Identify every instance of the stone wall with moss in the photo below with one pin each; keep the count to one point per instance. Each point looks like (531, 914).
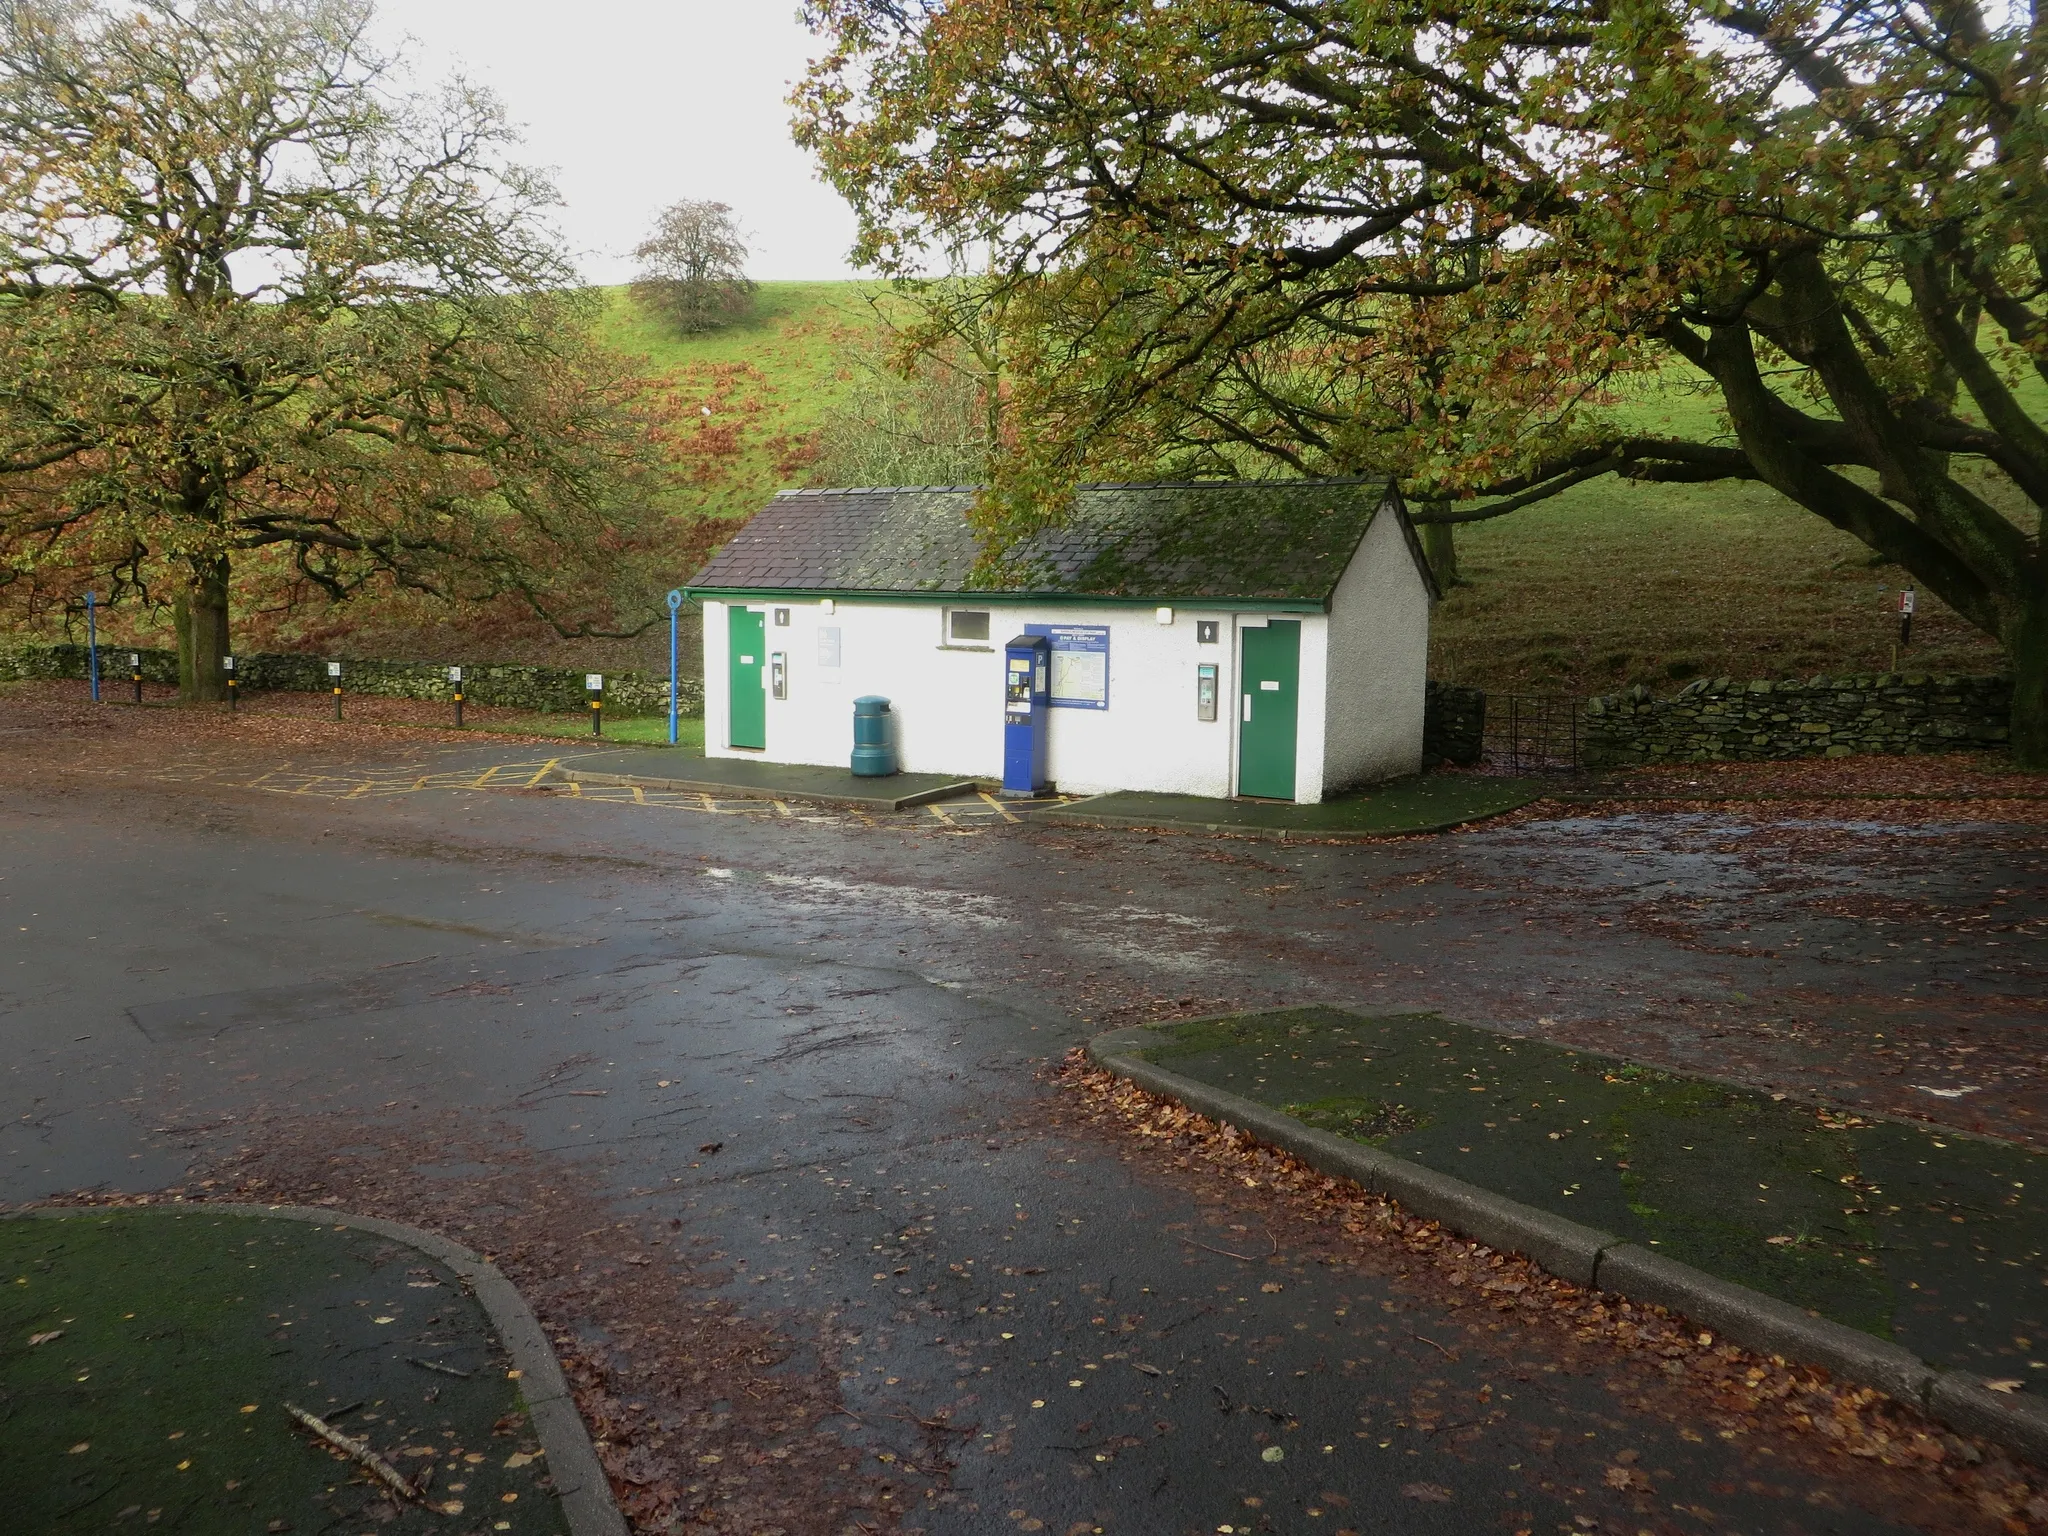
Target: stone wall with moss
(542, 689)
(1720, 719)
(1453, 724)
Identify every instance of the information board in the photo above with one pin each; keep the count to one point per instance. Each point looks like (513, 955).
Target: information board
(1080, 664)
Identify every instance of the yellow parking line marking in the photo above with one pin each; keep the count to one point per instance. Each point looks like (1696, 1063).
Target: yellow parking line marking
(964, 816)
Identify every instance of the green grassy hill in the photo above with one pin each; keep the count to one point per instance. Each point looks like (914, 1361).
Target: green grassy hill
(1614, 583)
(1608, 585)
(1611, 584)
(765, 379)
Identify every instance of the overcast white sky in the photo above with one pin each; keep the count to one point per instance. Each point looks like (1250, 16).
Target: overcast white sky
(635, 104)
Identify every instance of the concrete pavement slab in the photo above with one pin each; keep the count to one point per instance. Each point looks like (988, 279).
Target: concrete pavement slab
(672, 769)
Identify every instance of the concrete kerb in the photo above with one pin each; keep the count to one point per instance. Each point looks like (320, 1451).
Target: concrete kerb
(878, 802)
(1600, 1260)
(1076, 815)
(578, 1479)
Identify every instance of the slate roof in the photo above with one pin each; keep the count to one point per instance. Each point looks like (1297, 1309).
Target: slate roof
(1268, 540)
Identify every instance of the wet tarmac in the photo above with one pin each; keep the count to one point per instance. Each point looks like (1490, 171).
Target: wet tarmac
(858, 1014)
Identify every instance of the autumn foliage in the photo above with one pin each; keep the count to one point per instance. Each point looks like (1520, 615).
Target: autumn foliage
(1305, 236)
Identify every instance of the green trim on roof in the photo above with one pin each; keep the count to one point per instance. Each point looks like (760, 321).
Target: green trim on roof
(987, 599)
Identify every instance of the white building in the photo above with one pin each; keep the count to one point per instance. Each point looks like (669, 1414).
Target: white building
(1264, 638)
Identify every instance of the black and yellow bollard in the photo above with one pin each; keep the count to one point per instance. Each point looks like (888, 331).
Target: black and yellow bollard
(234, 698)
(334, 676)
(594, 681)
(135, 673)
(455, 677)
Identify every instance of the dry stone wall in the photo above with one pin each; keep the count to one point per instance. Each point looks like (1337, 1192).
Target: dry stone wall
(507, 687)
(1720, 719)
(1453, 723)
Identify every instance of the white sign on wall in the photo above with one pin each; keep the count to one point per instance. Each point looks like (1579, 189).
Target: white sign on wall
(829, 655)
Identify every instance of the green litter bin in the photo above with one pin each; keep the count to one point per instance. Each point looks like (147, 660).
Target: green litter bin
(874, 755)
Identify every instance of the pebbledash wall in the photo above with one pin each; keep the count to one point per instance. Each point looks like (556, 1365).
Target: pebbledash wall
(1719, 719)
(899, 650)
(946, 698)
(505, 687)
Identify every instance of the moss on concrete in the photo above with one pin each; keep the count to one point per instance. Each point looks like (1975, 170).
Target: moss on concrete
(1908, 1233)
(145, 1356)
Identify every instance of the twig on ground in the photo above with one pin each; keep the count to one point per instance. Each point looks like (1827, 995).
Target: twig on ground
(1432, 1343)
(435, 1365)
(1248, 1258)
(356, 1450)
(936, 1426)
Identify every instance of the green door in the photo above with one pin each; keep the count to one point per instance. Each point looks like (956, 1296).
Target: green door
(1269, 710)
(746, 660)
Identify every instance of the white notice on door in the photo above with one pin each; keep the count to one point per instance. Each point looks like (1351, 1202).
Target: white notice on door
(1269, 686)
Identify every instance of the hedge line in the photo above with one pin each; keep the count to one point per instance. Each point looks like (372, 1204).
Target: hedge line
(550, 689)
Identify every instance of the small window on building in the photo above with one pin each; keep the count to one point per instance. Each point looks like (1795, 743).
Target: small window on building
(966, 626)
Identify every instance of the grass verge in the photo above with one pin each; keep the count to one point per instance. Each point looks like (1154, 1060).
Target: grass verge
(633, 730)
(1929, 1238)
(148, 1354)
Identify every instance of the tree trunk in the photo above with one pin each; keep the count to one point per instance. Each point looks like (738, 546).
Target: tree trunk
(203, 632)
(2027, 645)
(1440, 549)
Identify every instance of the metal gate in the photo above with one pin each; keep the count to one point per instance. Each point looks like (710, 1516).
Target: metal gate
(1534, 732)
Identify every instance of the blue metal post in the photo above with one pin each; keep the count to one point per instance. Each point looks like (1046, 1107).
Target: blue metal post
(675, 604)
(92, 643)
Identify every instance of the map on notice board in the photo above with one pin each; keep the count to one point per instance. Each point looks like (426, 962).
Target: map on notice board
(1080, 664)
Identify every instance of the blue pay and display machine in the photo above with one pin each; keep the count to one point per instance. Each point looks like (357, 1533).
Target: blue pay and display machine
(1027, 697)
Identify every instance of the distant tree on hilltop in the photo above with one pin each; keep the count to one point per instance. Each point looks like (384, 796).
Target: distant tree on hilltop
(693, 267)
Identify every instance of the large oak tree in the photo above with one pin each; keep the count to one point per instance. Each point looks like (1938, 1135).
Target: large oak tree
(1441, 236)
(262, 308)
